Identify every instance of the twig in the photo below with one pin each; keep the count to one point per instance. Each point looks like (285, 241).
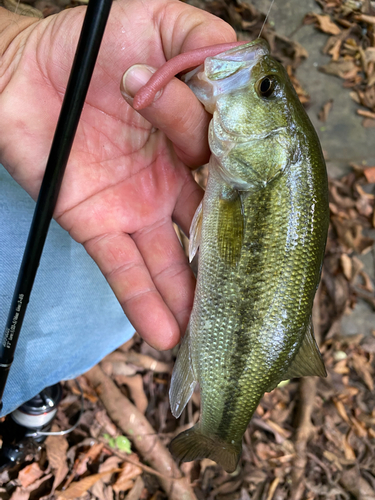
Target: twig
(125, 458)
(307, 392)
(140, 360)
(131, 421)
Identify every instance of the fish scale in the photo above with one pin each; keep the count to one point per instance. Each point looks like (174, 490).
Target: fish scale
(261, 230)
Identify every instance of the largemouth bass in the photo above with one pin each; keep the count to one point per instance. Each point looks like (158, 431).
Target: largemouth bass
(261, 229)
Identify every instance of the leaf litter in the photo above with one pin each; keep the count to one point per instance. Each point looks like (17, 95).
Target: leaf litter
(311, 439)
(351, 24)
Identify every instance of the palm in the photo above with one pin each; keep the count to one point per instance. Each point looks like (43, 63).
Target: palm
(124, 183)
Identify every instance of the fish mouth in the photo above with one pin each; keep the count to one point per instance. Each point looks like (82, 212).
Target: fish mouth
(250, 51)
(222, 73)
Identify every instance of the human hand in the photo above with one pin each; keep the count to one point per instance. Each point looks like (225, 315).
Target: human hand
(125, 181)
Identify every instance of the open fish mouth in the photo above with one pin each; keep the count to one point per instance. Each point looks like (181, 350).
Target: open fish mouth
(220, 74)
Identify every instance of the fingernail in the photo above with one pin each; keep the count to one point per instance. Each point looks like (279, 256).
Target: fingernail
(135, 78)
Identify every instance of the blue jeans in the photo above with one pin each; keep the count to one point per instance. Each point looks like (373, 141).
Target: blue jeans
(73, 318)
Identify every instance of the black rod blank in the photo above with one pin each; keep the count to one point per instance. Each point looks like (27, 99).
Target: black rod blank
(83, 65)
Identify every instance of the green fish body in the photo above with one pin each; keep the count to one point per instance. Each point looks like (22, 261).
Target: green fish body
(261, 229)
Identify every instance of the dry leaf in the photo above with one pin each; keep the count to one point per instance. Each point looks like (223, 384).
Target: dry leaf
(56, 447)
(30, 474)
(368, 123)
(341, 410)
(369, 173)
(20, 494)
(102, 491)
(367, 114)
(125, 479)
(334, 51)
(24, 493)
(341, 68)
(90, 456)
(323, 114)
(136, 492)
(272, 488)
(363, 369)
(347, 267)
(348, 450)
(77, 489)
(356, 485)
(325, 24)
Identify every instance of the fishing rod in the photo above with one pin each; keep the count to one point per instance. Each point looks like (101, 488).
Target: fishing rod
(80, 76)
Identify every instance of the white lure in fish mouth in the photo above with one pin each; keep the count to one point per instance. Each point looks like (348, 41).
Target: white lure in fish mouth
(228, 71)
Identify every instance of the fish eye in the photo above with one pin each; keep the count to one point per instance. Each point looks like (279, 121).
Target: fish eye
(266, 86)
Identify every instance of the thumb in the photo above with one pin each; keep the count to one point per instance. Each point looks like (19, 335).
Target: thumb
(175, 111)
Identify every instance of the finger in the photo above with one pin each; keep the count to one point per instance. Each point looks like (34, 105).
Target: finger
(183, 28)
(176, 112)
(121, 263)
(168, 267)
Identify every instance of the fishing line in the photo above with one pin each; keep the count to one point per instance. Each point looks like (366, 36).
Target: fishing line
(38, 433)
(265, 20)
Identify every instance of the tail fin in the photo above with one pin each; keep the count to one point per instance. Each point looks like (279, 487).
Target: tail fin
(194, 445)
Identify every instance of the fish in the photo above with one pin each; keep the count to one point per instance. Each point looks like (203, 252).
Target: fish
(261, 231)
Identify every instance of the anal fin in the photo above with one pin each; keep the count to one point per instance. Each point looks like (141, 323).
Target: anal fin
(308, 360)
(183, 379)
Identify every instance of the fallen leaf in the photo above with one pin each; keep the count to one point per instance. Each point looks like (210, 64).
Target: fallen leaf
(78, 488)
(90, 456)
(334, 51)
(367, 285)
(20, 494)
(341, 410)
(356, 485)
(323, 114)
(363, 369)
(125, 479)
(369, 173)
(56, 447)
(325, 24)
(348, 450)
(340, 68)
(368, 123)
(30, 474)
(137, 489)
(102, 491)
(347, 266)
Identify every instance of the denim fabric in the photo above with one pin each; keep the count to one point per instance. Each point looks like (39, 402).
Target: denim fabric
(73, 318)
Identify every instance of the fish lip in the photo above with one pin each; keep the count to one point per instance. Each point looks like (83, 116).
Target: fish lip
(260, 48)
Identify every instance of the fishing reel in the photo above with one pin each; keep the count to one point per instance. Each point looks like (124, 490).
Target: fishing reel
(27, 427)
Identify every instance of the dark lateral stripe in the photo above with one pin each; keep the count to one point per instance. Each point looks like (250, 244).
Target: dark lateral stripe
(257, 210)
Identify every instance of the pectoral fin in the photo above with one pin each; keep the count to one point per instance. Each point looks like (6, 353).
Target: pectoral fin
(308, 360)
(183, 379)
(195, 231)
(231, 227)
